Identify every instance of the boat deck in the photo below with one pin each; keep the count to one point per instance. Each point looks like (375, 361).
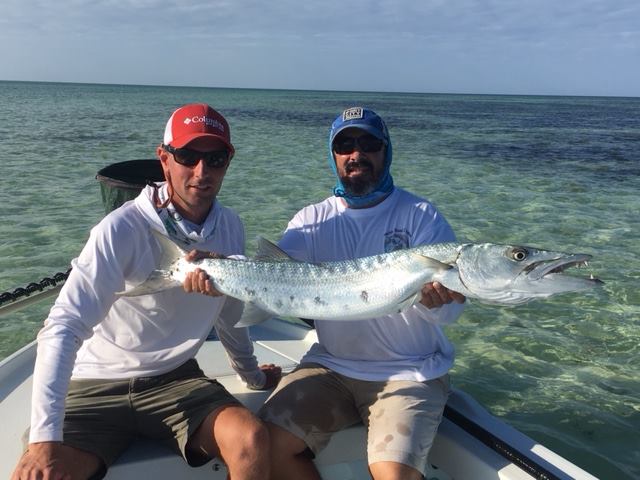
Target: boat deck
(460, 451)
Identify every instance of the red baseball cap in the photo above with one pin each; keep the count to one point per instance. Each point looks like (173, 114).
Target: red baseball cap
(197, 120)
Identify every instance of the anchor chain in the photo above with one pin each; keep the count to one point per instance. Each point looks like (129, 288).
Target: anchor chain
(33, 287)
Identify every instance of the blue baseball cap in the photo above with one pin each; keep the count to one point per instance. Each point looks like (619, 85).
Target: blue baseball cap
(363, 118)
(369, 121)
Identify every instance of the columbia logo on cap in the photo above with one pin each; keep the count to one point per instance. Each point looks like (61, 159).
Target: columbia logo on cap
(211, 122)
(195, 121)
(353, 113)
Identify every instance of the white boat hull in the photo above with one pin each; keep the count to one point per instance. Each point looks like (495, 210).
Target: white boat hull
(466, 448)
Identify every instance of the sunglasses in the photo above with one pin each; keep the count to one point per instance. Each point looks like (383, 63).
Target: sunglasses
(365, 143)
(190, 158)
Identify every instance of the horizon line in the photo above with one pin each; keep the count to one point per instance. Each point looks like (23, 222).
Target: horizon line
(318, 90)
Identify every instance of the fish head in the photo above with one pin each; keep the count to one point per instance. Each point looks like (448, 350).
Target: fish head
(511, 274)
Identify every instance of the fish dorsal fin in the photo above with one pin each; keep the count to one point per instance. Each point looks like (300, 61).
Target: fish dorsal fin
(268, 250)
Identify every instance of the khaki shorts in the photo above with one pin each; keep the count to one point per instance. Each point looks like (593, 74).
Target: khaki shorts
(402, 417)
(105, 417)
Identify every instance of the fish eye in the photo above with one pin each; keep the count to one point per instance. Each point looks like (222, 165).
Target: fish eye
(518, 254)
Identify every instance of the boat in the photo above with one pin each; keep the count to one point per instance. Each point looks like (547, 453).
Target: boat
(471, 443)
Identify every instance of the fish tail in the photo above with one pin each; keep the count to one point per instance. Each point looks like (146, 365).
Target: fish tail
(160, 279)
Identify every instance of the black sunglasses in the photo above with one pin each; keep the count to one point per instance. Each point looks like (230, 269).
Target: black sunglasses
(366, 143)
(190, 158)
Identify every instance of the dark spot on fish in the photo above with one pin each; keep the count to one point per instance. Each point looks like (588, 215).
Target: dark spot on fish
(292, 298)
(364, 296)
(250, 292)
(265, 289)
(279, 303)
(319, 301)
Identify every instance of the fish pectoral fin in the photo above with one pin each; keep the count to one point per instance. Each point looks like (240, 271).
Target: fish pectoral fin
(268, 250)
(157, 281)
(252, 315)
(430, 263)
(407, 302)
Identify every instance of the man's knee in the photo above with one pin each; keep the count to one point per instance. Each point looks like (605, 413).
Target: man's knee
(58, 460)
(255, 437)
(285, 443)
(394, 471)
(244, 436)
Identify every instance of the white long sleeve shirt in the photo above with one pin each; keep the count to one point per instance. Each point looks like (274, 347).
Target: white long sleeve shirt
(91, 333)
(405, 346)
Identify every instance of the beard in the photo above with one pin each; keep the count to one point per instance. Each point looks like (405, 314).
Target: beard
(362, 183)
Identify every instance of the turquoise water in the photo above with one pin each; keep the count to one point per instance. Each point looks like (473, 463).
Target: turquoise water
(554, 172)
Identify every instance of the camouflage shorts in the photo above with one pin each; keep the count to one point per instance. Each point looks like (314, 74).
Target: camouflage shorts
(313, 402)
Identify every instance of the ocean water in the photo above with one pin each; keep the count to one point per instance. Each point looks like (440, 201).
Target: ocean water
(553, 172)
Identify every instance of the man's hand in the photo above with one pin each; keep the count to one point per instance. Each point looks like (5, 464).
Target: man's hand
(435, 295)
(198, 281)
(55, 461)
(273, 374)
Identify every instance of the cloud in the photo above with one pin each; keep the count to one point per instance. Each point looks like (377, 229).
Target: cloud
(438, 21)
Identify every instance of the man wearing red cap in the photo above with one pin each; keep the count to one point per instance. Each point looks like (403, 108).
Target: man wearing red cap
(110, 369)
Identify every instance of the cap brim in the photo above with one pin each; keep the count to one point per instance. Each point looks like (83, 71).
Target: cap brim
(187, 139)
(367, 128)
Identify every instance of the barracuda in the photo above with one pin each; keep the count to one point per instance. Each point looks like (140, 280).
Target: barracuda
(273, 284)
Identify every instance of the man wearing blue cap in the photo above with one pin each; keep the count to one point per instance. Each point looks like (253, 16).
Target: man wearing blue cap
(388, 372)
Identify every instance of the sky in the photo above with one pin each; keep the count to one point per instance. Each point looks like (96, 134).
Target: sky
(548, 47)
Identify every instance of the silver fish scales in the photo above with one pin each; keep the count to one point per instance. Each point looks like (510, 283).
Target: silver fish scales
(273, 284)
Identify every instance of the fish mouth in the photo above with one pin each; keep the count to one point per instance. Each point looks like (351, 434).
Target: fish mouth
(557, 266)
